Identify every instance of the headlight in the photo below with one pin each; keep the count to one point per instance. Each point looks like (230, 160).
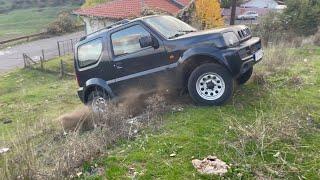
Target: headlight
(230, 39)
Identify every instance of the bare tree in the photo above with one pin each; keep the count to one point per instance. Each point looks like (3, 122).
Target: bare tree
(233, 12)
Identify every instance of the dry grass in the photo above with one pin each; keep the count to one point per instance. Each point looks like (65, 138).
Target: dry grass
(312, 40)
(278, 60)
(55, 154)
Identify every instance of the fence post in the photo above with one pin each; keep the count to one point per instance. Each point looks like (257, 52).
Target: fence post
(24, 60)
(41, 63)
(59, 48)
(61, 68)
(72, 45)
(64, 50)
(42, 55)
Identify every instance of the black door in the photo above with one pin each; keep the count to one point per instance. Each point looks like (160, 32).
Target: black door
(136, 67)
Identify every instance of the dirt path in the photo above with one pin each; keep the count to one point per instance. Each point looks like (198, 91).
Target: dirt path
(11, 57)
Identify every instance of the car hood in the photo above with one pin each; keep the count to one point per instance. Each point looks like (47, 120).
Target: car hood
(208, 35)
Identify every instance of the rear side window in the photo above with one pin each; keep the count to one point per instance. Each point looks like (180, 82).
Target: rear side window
(127, 41)
(89, 53)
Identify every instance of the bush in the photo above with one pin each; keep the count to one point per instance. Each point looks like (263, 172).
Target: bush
(63, 24)
(302, 16)
(316, 40)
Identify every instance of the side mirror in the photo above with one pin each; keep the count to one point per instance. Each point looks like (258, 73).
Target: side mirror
(147, 41)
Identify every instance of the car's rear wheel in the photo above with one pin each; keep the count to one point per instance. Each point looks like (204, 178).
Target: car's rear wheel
(98, 101)
(245, 76)
(210, 84)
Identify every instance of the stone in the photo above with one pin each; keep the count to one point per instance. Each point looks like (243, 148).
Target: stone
(7, 121)
(4, 150)
(211, 165)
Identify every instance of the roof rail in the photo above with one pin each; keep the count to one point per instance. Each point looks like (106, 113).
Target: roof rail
(122, 22)
(125, 21)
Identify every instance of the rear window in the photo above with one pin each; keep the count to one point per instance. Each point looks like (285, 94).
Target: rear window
(89, 53)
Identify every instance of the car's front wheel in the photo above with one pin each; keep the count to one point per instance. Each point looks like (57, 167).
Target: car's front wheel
(98, 100)
(211, 84)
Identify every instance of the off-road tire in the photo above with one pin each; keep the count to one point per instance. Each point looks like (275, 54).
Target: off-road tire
(199, 74)
(94, 95)
(245, 76)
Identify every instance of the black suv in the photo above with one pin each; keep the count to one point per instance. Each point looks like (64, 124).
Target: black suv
(161, 52)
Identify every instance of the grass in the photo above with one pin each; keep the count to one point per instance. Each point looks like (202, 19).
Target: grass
(28, 21)
(264, 133)
(27, 96)
(269, 130)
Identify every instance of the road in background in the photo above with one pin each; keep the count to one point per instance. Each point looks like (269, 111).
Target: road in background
(11, 57)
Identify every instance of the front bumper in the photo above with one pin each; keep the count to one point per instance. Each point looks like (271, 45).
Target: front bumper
(244, 57)
(81, 94)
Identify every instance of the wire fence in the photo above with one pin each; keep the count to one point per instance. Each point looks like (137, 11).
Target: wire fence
(62, 48)
(66, 46)
(38, 59)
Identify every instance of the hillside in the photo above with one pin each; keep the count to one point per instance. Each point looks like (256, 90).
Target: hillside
(24, 19)
(269, 130)
(9, 5)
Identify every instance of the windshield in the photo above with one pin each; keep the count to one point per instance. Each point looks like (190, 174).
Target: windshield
(169, 26)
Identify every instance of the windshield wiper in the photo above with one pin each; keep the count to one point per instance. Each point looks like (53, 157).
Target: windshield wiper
(182, 32)
(187, 31)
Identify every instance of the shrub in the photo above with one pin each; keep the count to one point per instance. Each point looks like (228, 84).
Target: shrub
(90, 3)
(64, 23)
(316, 40)
(302, 16)
(270, 28)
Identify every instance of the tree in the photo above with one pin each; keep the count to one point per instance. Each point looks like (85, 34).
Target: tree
(90, 3)
(228, 3)
(302, 16)
(209, 13)
(233, 12)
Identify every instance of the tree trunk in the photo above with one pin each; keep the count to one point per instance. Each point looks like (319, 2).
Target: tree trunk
(233, 12)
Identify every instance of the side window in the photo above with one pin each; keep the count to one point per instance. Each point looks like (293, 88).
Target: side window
(89, 53)
(126, 41)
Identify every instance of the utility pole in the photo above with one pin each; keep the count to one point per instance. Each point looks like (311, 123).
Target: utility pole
(233, 12)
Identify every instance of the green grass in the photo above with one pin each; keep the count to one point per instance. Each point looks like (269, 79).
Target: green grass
(246, 133)
(27, 96)
(260, 121)
(27, 21)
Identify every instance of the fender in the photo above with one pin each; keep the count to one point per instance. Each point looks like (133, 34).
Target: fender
(100, 83)
(209, 51)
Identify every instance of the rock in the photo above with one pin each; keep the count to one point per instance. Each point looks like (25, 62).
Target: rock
(6, 121)
(177, 109)
(79, 174)
(211, 165)
(4, 150)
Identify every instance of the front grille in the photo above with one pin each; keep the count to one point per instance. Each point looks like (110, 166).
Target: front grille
(249, 50)
(244, 33)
